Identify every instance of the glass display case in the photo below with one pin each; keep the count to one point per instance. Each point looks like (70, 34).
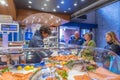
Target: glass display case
(69, 63)
(52, 40)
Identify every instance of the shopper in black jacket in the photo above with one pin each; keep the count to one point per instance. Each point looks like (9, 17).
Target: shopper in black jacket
(113, 43)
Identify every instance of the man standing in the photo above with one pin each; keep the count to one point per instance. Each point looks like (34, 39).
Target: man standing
(75, 39)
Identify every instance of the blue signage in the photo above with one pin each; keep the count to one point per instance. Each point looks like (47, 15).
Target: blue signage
(28, 35)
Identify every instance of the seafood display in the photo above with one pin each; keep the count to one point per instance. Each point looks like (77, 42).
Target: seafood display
(87, 64)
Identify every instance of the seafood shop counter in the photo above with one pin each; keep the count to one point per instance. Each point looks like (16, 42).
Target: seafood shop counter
(71, 63)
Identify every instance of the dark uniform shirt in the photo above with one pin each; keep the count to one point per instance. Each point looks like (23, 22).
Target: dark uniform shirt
(78, 41)
(113, 47)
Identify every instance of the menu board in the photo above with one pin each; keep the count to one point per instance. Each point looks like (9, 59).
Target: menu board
(9, 27)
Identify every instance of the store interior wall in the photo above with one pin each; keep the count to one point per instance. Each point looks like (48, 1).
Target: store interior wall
(108, 19)
(90, 18)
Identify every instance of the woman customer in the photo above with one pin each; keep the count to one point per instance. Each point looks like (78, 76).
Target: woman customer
(89, 42)
(88, 52)
(113, 43)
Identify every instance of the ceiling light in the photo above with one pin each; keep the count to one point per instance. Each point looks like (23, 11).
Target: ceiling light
(69, 8)
(82, 0)
(54, 10)
(62, 2)
(29, 6)
(65, 11)
(58, 6)
(30, 2)
(45, 4)
(47, 0)
(75, 4)
(3, 2)
(42, 8)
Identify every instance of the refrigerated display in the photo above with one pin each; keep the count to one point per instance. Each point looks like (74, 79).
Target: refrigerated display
(63, 63)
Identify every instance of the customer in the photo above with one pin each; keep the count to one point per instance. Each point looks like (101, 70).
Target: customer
(75, 39)
(89, 42)
(113, 43)
(37, 42)
(89, 47)
(37, 39)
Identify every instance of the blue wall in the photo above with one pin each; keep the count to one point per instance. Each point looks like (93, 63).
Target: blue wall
(108, 19)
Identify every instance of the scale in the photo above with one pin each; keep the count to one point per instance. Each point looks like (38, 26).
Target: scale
(6, 29)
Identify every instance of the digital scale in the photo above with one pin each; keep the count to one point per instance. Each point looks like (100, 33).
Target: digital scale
(6, 29)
